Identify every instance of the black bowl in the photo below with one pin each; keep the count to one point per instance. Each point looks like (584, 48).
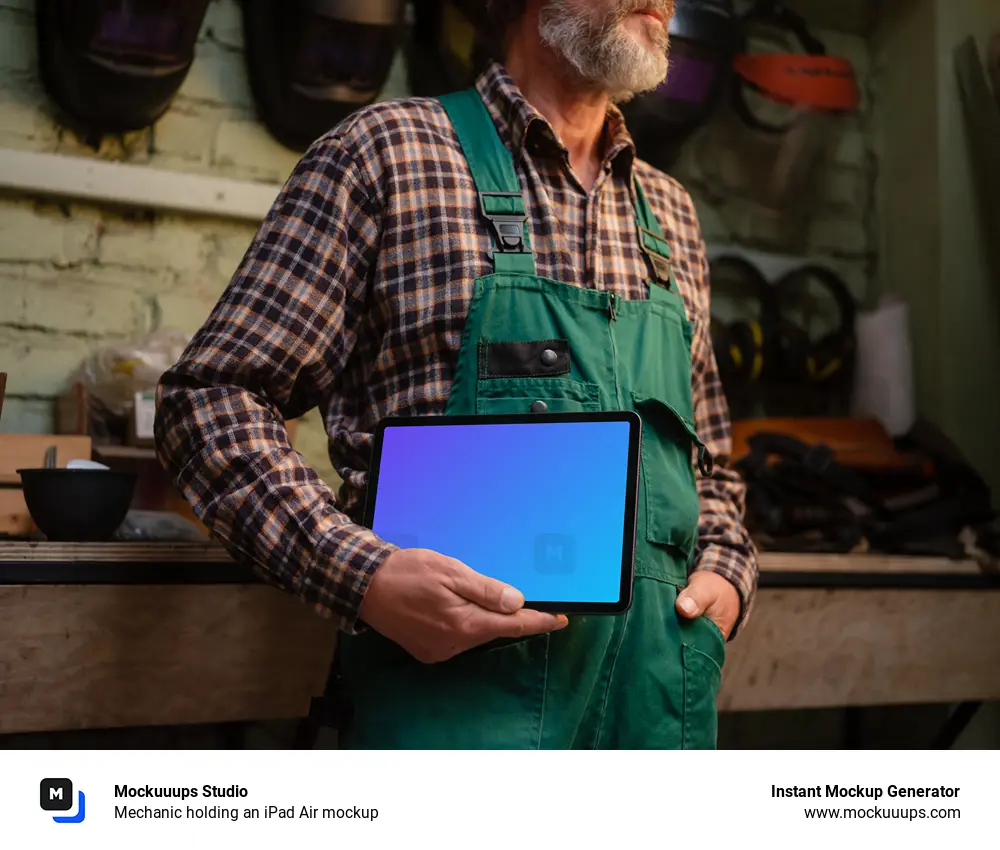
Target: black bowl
(78, 505)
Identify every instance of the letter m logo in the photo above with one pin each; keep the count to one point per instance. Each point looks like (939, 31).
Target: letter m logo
(56, 795)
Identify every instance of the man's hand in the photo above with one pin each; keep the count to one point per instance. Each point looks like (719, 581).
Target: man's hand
(436, 607)
(712, 595)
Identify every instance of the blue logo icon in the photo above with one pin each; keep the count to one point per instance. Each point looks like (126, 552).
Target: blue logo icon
(555, 553)
(56, 795)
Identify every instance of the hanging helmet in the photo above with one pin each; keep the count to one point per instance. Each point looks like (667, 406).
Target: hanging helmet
(311, 63)
(802, 76)
(705, 35)
(116, 65)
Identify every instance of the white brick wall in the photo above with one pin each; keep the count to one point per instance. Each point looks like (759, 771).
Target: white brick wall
(74, 277)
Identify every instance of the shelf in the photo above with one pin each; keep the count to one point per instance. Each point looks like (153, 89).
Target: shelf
(82, 179)
(126, 452)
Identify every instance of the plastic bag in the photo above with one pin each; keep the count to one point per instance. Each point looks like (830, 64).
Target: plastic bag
(113, 375)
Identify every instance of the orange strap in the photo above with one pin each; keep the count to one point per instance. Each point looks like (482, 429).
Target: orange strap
(796, 79)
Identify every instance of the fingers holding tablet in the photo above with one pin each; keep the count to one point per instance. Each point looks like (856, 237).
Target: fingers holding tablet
(436, 607)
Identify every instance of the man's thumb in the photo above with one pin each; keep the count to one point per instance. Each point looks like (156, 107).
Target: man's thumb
(690, 602)
(486, 592)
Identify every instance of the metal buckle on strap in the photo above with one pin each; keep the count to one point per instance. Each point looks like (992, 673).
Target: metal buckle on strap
(508, 228)
(662, 267)
(661, 263)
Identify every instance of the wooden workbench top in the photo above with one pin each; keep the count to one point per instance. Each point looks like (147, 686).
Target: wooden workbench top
(208, 563)
(138, 634)
(112, 553)
(209, 552)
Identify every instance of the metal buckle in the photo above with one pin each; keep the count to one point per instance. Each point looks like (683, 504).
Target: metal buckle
(661, 265)
(508, 228)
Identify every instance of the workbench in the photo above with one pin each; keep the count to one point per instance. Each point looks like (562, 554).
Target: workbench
(138, 634)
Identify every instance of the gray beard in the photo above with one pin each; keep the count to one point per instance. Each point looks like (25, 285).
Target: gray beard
(603, 54)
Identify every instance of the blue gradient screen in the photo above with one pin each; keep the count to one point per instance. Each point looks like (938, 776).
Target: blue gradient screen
(540, 506)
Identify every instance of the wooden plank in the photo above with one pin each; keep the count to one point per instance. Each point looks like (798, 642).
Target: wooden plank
(14, 516)
(25, 451)
(210, 552)
(115, 553)
(868, 564)
(126, 452)
(113, 183)
(100, 657)
(827, 648)
(857, 443)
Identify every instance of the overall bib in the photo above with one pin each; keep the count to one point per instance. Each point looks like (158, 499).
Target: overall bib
(644, 679)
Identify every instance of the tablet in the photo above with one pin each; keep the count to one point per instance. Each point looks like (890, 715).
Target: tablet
(545, 502)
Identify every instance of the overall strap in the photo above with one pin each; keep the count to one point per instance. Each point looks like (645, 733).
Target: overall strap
(492, 168)
(654, 243)
(664, 290)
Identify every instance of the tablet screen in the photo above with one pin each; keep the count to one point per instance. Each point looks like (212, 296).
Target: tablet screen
(543, 506)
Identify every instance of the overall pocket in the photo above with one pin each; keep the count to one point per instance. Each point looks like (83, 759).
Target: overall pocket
(531, 376)
(703, 653)
(669, 490)
(536, 395)
(491, 697)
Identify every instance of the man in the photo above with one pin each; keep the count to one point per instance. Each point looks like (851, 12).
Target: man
(368, 292)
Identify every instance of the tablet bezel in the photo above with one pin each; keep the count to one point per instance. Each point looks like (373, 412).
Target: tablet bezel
(631, 494)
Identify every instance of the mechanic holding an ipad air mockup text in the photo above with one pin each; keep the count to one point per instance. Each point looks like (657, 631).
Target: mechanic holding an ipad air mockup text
(497, 251)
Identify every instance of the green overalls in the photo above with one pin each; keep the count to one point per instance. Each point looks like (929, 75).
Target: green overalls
(644, 679)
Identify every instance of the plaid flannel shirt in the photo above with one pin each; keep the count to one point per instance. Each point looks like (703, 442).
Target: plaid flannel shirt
(352, 298)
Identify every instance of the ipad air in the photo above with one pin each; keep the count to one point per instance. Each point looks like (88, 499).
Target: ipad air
(544, 502)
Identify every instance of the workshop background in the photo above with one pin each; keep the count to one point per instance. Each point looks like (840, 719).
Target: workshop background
(76, 276)
(891, 210)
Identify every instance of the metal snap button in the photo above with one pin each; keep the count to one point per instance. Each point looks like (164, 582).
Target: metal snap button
(539, 406)
(549, 357)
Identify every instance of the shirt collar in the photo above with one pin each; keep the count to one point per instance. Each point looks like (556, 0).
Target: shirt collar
(520, 122)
